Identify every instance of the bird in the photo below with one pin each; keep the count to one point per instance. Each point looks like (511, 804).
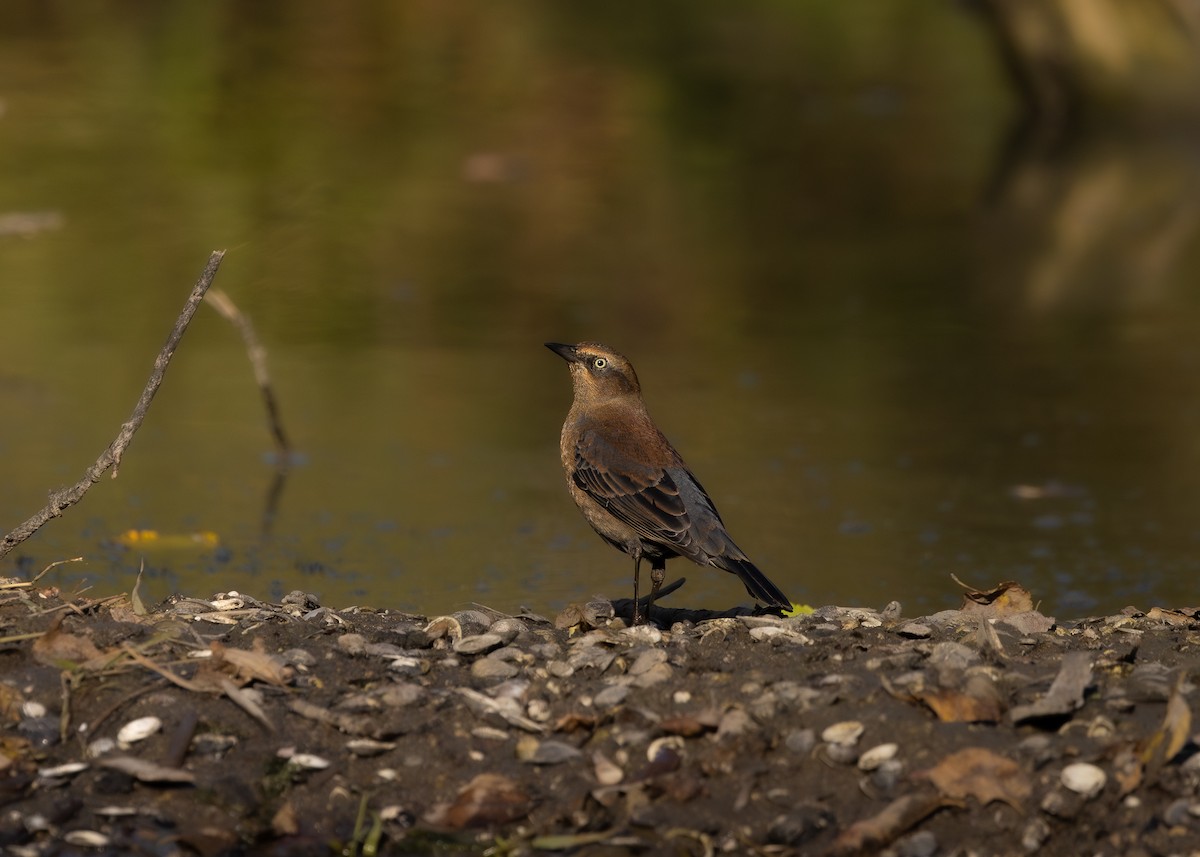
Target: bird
(631, 484)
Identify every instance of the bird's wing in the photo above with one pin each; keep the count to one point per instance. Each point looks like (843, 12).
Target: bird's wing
(643, 496)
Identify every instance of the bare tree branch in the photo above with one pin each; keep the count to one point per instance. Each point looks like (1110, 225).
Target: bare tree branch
(223, 304)
(64, 498)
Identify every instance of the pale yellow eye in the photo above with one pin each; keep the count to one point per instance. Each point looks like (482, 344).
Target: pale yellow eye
(600, 362)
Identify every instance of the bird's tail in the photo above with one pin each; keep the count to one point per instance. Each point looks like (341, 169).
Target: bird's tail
(756, 583)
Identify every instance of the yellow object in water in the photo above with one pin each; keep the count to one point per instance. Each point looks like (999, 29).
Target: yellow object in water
(153, 538)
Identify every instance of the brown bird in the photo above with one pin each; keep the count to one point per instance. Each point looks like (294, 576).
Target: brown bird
(633, 487)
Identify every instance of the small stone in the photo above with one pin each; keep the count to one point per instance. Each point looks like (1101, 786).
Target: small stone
(611, 696)
(915, 630)
(657, 674)
(491, 669)
(1082, 778)
(549, 753)
(642, 634)
(352, 644)
(400, 694)
(919, 844)
(410, 635)
(799, 826)
(298, 658)
(1035, 834)
(508, 628)
(800, 741)
(647, 660)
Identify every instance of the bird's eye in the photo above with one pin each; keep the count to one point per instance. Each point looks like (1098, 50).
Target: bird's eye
(600, 362)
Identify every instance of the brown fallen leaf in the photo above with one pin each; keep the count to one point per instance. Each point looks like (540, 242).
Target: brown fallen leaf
(978, 702)
(871, 834)
(981, 774)
(1004, 598)
(1169, 617)
(486, 800)
(254, 664)
(1170, 737)
(62, 649)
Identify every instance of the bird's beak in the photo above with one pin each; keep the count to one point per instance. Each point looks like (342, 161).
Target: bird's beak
(567, 352)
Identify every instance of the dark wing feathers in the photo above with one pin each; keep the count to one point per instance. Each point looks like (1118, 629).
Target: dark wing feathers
(641, 496)
(665, 506)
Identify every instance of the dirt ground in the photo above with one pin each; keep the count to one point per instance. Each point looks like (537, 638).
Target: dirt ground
(227, 726)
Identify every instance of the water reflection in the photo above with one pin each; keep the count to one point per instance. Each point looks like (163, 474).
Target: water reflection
(892, 348)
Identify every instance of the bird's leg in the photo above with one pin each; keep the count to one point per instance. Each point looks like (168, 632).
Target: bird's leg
(658, 572)
(637, 568)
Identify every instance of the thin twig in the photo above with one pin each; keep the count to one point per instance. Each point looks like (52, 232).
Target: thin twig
(223, 304)
(64, 498)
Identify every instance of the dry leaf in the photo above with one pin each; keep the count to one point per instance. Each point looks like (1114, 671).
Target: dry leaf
(871, 834)
(1005, 598)
(486, 800)
(1169, 617)
(1171, 735)
(981, 774)
(1065, 693)
(979, 703)
(251, 664)
(62, 649)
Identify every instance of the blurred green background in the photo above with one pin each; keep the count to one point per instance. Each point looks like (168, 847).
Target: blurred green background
(905, 313)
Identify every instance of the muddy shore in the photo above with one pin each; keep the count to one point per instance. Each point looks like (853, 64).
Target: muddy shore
(225, 726)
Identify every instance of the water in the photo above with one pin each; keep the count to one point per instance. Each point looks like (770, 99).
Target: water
(890, 351)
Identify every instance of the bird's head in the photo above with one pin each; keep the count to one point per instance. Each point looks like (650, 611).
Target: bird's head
(597, 372)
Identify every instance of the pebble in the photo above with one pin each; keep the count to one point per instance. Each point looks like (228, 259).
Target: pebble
(492, 669)
(508, 629)
(611, 696)
(535, 752)
(800, 741)
(1083, 778)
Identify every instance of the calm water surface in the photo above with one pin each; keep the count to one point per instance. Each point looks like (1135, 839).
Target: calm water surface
(891, 350)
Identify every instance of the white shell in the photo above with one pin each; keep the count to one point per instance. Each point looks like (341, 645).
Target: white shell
(67, 770)
(308, 760)
(101, 746)
(32, 708)
(86, 838)
(658, 745)
(845, 734)
(1084, 779)
(138, 730)
(877, 755)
